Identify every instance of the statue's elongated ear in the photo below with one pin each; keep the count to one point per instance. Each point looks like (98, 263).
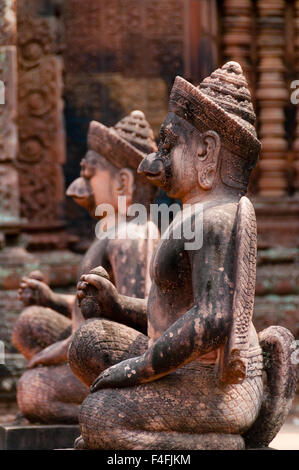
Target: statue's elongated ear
(207, 159)
(125, 183)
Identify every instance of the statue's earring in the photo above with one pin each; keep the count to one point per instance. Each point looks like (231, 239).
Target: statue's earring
(126, 184)
(206, 170)
(208, 154)
(121, 186)
(206, 176)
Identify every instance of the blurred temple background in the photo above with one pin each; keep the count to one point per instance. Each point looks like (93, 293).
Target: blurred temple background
(66, 62)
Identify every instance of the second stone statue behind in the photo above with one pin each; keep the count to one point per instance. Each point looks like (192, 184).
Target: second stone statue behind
(51, 393)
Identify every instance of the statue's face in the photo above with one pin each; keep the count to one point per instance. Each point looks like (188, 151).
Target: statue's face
(96, 184)
(172, 166)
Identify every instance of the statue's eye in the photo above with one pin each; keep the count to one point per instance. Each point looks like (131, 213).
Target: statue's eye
(166, 145)
(89, 171)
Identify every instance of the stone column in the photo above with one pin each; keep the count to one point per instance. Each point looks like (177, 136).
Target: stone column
(237, 35)
(9, 198)
(41, 133)
(272, 95)
(296, 143)
(14, 260)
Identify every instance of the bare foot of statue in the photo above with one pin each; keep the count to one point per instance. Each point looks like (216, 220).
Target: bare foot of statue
(79, 444)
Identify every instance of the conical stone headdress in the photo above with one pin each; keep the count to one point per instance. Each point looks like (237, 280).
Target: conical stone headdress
(125, 144)
(222, 102)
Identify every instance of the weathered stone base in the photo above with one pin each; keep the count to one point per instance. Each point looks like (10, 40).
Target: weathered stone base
(59, 267)
(38, 437)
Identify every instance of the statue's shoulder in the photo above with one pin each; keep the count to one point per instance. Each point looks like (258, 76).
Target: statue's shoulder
(220, 217)
(94, 255)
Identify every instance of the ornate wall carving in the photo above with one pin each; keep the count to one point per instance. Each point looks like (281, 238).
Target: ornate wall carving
(8, 111)
(41, 134)
(9, 196)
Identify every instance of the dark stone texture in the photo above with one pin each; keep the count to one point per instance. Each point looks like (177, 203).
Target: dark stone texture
(37, 437)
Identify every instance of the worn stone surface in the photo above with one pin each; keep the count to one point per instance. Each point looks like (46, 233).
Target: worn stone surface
(41, 133)
(196, 382)
(37, 437)
(10, 221)
(60, 268)
(8, 23)
(8, 112)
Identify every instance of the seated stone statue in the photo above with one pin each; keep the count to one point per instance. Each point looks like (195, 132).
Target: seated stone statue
(195, 380)
(43, 331)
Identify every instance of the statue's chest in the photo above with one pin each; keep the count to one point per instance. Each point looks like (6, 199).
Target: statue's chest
(95, 256)
(170, 265)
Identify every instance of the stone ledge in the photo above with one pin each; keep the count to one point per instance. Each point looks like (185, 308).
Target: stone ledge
(38, 437)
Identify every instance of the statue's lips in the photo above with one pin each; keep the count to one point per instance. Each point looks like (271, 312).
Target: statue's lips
(81, 192)
(153, 175)
(151, 167)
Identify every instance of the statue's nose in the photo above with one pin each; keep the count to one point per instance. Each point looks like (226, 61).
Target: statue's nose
(150, 165)
(79, 188)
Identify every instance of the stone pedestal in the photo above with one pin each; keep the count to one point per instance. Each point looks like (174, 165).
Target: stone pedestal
(38, 437)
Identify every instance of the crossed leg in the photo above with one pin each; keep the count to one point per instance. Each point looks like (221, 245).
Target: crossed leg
(38, 327)
(187, 409)
(46, 394)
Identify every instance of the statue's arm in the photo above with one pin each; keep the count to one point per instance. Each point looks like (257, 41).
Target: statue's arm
(36, 292)
(113, 306)
(193, 335)
(133, 312)
(200, 330)
(54, 354)
(62, 303)
(57, 352)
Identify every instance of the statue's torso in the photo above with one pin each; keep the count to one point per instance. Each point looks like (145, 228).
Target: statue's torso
(125, 260)
(180, 279)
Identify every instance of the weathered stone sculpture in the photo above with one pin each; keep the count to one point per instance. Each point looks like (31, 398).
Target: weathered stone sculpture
(195, 382)
(52, 393)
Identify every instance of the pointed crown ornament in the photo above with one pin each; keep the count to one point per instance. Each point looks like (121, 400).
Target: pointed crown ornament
(125, 144)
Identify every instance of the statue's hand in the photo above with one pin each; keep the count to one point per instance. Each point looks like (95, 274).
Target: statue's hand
(106, 295)
(123, 374)
(52, 355)
(33, 292)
